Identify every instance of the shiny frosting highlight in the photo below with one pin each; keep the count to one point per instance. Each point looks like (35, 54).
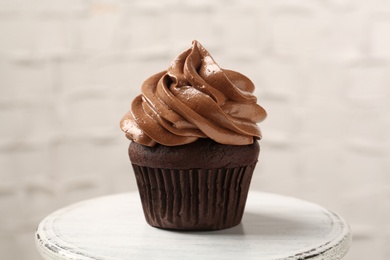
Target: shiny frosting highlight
(194, 98)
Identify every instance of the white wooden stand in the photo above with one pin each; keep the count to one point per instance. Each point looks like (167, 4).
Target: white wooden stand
(273, 227)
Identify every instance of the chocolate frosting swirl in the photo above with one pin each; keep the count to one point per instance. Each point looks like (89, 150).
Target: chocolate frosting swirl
(194, 98)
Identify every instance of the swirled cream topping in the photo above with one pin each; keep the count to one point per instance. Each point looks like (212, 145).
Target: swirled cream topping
(194, 98)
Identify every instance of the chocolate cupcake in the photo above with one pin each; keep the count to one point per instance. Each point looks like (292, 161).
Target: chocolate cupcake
(194, 143)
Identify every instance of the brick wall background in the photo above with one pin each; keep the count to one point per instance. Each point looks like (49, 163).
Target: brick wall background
(69, 69)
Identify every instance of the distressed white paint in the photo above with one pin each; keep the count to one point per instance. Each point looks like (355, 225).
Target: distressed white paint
(273, 227)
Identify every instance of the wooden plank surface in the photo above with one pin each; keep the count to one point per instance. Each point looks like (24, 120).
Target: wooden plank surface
(273, 227)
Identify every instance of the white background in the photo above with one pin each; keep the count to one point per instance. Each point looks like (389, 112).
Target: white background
(70, 68)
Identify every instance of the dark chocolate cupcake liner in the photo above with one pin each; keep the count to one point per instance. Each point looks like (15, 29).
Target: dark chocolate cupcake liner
(195, 199)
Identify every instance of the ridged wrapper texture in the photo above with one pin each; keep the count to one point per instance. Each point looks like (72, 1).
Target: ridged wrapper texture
(193, 199)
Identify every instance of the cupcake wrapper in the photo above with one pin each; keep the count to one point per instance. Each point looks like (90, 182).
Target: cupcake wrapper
(195, 199)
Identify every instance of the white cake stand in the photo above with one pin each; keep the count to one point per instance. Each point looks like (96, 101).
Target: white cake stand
(273, 227)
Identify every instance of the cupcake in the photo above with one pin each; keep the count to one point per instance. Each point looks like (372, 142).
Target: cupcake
(194, 143)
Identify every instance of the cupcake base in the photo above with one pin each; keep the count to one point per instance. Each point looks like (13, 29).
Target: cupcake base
(193, 199)
(199, 186)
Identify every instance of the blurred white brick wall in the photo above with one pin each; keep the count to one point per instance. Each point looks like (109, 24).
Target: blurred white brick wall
(69, 69)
